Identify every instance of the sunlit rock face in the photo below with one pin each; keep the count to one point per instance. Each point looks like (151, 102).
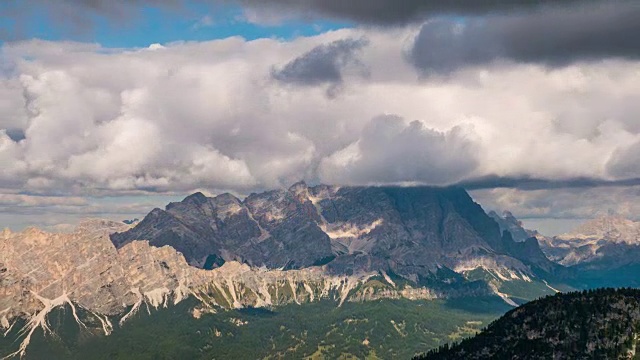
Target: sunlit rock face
(41, 271)
(301, 245)
(409, 231)
(603, 243)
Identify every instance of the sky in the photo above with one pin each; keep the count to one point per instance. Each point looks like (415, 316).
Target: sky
(109, 108)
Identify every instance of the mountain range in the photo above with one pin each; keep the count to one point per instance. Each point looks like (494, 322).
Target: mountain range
(413, 232)
(601, 252)
(277, 249)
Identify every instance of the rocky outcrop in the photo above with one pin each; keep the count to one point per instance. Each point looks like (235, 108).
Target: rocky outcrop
(510, 223)
(83, 271)
(409, 231)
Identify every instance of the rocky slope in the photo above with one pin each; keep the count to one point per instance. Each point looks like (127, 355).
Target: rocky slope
(599, 243)
(299, 245)
(510, 223)
(414, 232)
(598, 324)
(83, 271)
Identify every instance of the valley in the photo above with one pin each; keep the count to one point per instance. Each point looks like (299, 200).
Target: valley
(431, 269)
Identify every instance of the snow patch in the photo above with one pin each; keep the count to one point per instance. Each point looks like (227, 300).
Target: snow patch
(549, 286)
(39, 320)
(352, 231)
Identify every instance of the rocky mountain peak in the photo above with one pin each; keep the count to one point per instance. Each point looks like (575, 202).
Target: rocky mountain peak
(604, 243)
(508, 222)
(298, 187)
(197, 198)
(612, 228)
(42, 271)
(411, 231)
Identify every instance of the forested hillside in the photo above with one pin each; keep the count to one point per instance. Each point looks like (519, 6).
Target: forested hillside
(593, 324)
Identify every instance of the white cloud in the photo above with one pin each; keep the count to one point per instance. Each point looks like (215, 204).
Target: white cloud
(208, 115)
(204, 22)
(390, 150)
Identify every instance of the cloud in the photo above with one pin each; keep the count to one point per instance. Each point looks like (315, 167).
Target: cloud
(532, 183)
(78, 16)
(550, 36)
(390, 12)
(204, 22)
(324, 64)
(379, 12)
(389, 150)
(566, 203)
(40, 201)
(208, 115)
(625, 162)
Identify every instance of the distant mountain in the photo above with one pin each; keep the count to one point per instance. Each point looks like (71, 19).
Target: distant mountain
(595, 324)
(422, 234)
(600, 253)
(303, 245)
(320, 247)
(597, 242)
(508, 222)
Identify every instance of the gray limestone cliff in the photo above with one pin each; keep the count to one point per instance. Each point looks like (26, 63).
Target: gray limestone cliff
(410, 231)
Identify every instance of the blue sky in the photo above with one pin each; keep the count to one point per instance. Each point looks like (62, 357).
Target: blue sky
(150, 25)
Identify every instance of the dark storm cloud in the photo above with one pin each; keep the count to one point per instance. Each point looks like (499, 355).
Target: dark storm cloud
(74, 13)
(323, 64)
(531, 183)
(379, 12)
(554, 37)
(72, 17)
(394, 12)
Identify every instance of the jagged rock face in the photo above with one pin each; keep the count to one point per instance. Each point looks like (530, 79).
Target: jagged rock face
(85, 268)
(269, 229)
(41, 271)
(410, 231)
(510, 223)
(614, 229)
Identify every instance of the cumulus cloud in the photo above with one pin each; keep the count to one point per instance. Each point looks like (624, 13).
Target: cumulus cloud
(625, 162)
(390, 150)
(551, 36)
(209, 115)
(324, 64)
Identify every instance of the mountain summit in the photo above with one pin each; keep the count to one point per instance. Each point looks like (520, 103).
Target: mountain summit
(413, 232)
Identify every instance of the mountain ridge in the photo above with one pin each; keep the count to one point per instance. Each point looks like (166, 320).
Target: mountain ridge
(82, 271)
(410, 231)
